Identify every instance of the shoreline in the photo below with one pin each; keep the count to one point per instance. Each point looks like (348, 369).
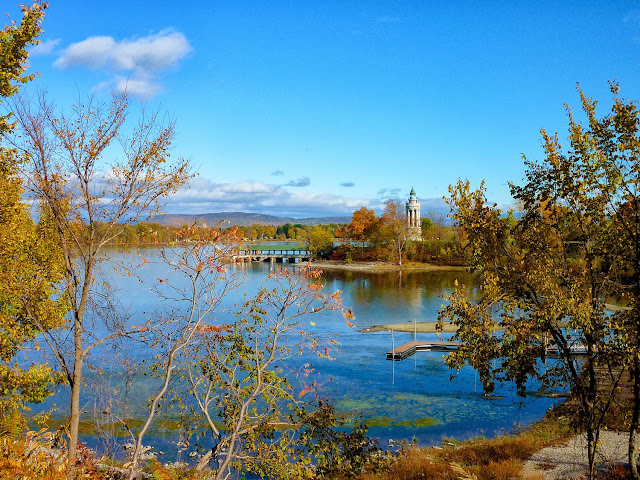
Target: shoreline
(383, 266)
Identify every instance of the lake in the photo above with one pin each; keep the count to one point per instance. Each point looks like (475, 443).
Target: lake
(415, 399)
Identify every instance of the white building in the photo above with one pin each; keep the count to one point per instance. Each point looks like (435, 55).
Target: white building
(414, 225)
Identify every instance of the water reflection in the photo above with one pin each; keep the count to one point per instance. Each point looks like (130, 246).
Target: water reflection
(400, 400)
(397, 297)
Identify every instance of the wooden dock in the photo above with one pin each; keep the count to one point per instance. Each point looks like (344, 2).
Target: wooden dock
(409, 348)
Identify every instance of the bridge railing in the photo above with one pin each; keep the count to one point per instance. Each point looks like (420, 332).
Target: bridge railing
(295, 253)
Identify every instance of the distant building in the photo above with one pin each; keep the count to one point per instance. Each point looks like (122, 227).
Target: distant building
(414, 225)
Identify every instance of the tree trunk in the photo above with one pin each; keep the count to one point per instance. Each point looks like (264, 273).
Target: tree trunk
(78, 358)
(74, 421)
(633, 431)
(589, 399)
(591, 452)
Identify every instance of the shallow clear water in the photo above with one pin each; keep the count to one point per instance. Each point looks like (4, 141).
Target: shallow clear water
(410, 399)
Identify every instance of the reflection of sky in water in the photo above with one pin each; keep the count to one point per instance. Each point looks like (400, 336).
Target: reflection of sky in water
(400, 400)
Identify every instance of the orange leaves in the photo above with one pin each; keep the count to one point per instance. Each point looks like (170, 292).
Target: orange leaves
(362, 222)
(348, 314)
(306, 369)
(32, 457)
(202, 329)
(144, 261)
(304, 391)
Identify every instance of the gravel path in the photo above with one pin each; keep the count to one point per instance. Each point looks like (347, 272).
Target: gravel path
(569, 460)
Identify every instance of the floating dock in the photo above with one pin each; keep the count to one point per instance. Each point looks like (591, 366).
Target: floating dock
(409, 348)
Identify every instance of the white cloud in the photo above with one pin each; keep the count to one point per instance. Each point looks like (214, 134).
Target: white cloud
(138, 86)
(205, 196)
(94, 52)
(142, 59)
(44, 47)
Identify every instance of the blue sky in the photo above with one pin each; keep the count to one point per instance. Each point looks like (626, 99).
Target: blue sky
(309, 108)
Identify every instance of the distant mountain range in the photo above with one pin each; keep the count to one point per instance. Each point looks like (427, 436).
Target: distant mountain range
(242, 219)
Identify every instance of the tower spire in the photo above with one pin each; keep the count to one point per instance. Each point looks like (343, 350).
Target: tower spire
(413, 217)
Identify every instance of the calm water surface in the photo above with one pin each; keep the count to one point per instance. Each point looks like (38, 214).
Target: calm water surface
(411, 399)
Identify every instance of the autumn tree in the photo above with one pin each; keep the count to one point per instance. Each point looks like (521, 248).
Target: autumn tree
(239, 377)
(426, 225)
(547, 275)
(318, 239)
(190, 296)
(29, 272)
(29, 269)
(90, 194)
(363, 222)
(14, 41)
(269, 231)
(438, 229)
(394, 227)
(239, 366)
(604, 156)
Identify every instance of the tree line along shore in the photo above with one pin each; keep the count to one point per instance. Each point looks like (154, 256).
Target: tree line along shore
(368, 240)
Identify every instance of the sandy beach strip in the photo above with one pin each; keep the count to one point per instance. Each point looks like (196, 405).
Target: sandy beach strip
(420, 327)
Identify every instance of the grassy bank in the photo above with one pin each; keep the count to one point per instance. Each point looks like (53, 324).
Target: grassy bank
(497, 458)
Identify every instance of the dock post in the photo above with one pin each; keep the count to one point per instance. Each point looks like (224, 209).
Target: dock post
(393, 345)
(393, 360)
